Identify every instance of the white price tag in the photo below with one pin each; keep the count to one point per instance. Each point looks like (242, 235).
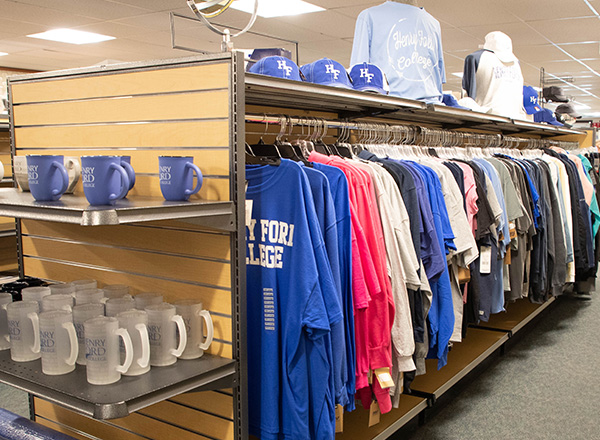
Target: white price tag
(485, 259)
(249, 205)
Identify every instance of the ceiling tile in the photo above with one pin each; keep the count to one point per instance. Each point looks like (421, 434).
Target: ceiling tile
(582, 50)
(97, 9)
(456, 39)
(463, 12)
(332, 23)
(538, 54)
(519, 32)
(569, 30)
(548, 9)
(153, 5)
(48, 18)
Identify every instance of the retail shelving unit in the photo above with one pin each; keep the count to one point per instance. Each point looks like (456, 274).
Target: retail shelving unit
(274, 96)
(191, 106)
(191, 249)
(8, 244)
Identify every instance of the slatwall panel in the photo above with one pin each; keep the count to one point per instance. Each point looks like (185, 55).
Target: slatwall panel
(8, 245)
(144, 114)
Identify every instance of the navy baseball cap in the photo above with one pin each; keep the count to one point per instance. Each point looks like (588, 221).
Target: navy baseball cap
(530, 100)
(326, 72)
(277, 66)
(368, 77)
(546, 115)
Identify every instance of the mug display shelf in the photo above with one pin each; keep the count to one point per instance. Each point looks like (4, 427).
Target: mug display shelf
(269, 91)
(77, 210)
(129, 394)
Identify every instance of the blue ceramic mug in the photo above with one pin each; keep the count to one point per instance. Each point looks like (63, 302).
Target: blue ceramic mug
(177, 177)
(47, 176)
(126, 163)
(104, 179)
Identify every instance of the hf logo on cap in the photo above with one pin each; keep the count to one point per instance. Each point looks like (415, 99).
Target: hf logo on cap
(330, 68)
(364, 73)
(282, 65)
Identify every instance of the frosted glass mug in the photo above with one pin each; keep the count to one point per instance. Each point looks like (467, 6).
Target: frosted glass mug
(102, 353)
(116, 290)
(81, 314)
(60, 301)
(58, 342)
(24, 330)
(35, 293)
(163, 324)
(114, 306)
(5, 300)
(136, 324)
(143, 300)
(192, 313)
(84, 284)
(62, 289)
(89, 296)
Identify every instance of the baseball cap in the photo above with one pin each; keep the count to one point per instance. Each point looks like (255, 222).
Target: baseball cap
(501, 44)
(368, 77)
(546, 115)
(567, 109)
(326, 72)
(530, 100)
(258, 54)
(554, 93)
(277, 66)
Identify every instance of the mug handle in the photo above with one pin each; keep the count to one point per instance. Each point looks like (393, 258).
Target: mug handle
(145, 359)
(65, 178)
(128, 349)
(70, 328)
(130, 172)
(182, 336)
(189, 192)
(35, 321)
(209, 329)
(4, 306)
(124, 182)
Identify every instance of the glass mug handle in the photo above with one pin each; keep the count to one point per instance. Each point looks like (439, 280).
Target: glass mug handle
(145, 359)
(182, 336)
(128, 349)
(70, 328)
(65, 178)
(5, 336)
(124, 182)
(209, 329)
(35, 321)
(194, 167)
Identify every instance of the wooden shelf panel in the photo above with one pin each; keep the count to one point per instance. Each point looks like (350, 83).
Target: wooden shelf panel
(462, 359)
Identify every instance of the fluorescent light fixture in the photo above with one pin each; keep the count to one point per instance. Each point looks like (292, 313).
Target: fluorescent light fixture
(458, 74)
(2, 54)
(276, 8)
(71, 36)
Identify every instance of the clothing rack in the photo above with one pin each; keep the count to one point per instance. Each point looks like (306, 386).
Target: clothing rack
(401, 134)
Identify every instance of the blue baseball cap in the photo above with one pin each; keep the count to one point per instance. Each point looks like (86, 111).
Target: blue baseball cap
(277, 66)
(326, 72)
(450, 101)
(530, 100)
(546, 115)
(368, 77)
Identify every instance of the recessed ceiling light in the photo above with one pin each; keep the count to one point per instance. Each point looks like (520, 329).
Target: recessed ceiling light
(2, 54)
(458, 74)
(276, 8)
(71, 36)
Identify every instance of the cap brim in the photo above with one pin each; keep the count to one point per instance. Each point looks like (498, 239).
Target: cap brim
(336, 84)
(506, 57)
(371, 89)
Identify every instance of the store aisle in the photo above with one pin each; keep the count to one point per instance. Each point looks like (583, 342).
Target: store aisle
(545, 387)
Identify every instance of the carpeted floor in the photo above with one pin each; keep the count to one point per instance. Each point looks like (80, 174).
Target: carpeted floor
(546, 386)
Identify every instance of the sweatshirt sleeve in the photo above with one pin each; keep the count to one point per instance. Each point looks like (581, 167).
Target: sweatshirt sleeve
(469, 83)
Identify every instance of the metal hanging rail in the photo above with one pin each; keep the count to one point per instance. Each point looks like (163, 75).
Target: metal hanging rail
(410, 134)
